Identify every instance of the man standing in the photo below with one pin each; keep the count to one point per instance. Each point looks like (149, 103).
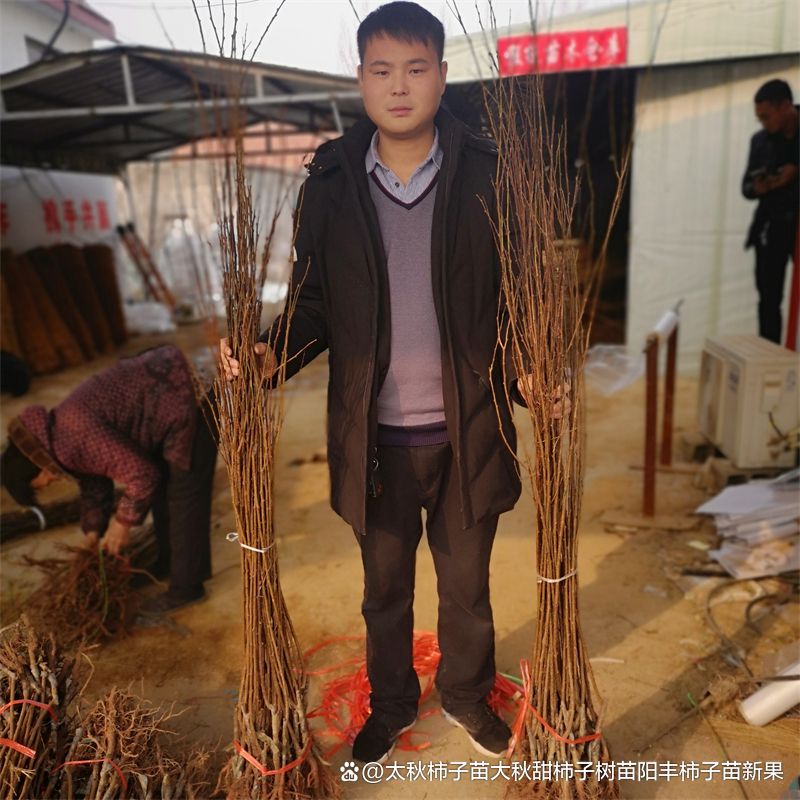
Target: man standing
(772, 179)
(137, 423)
(401, 284)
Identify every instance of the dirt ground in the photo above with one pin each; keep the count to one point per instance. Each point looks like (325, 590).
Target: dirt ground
(644, 627)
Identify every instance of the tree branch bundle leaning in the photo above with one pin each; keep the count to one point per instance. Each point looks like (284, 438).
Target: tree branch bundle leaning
(541, 335)
(275, 756)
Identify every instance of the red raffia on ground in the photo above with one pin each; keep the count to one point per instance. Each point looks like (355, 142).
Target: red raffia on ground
(345, 700)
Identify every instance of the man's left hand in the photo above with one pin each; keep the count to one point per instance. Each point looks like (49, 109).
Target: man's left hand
(117, 538)
(561, 405)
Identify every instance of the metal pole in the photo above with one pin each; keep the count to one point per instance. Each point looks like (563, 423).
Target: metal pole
(651, 409)
(337, 117)
(127, 79)
(151, 234)
(127, 183)
(178, 105)
(669, 399)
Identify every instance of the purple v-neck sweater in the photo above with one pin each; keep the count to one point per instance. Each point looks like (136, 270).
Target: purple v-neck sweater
(410, 403)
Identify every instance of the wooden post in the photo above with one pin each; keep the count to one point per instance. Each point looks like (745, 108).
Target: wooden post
(651, 408)
(669, 399)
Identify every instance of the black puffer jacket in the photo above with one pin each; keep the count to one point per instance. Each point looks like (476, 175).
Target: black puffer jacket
(343, 307)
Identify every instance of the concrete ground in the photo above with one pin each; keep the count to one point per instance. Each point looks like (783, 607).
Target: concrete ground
(643, 624)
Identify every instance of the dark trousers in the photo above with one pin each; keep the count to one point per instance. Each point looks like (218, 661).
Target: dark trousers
(182, 513)
(774, 244)
(416, 478)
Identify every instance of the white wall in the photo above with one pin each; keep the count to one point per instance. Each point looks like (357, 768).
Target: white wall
(19, 19)
(689, 220)
(47, 207)
(38, 206)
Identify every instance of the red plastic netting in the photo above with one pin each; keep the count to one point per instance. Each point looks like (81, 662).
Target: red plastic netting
(345, 700)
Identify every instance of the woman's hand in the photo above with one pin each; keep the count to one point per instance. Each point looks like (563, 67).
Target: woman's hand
(117, 538)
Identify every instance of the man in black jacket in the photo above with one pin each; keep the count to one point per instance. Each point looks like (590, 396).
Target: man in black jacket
(771, 178)
(401, 284)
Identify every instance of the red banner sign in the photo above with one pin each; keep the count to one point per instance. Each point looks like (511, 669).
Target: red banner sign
(68, 218)
(40, 209)
(559, 52)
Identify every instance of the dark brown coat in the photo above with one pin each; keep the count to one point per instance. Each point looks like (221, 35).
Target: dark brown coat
(343, 307)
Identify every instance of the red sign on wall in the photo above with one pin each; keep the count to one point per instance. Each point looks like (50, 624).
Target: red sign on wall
(69, 216)
(50, 208)
(559, 52)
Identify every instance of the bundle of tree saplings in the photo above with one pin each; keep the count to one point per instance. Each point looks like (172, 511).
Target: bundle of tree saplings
(543, 342)
(37, 685)
(86, 595)
(120, 751)
(275, 755)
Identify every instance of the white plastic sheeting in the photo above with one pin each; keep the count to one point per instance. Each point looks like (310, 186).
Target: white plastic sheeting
(190, 265)
(689, 219)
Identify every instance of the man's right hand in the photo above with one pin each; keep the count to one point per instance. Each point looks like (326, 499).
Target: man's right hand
(91, 538)
(230, 366)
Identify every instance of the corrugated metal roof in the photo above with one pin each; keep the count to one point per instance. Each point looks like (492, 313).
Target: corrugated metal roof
(659, 31)
(78, 112)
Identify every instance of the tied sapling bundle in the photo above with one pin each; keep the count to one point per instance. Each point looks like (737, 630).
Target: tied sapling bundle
(119, 751)
(37, 685)
(542, 336)
(275, 755)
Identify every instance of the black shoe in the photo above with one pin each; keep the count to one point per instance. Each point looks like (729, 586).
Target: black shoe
(487, 732)
(375, 741)
(171, 600)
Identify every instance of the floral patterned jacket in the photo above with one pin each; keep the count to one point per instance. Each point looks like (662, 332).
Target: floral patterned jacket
(118, 426)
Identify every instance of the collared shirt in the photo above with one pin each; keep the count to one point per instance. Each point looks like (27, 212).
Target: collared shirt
(420, 179)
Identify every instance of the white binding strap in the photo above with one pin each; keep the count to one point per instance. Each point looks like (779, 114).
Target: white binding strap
(234, 537)
(540, 579)
(37, 512)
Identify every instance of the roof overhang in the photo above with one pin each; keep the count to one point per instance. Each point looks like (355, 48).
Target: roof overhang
(96, 111)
